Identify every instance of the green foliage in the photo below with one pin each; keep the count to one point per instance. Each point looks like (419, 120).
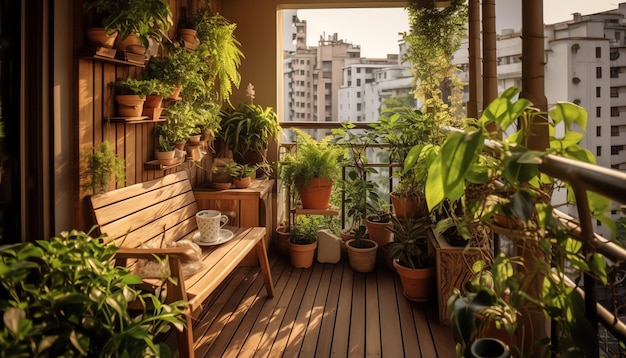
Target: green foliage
(102, 162)
(241, 171)
(434, 36)
(145, 18)
(65, 298)
(182, 119)
(249, 128)
(403, 129)
(312, 159)
(181, 67)
(410, 242)
(220, 48)
(306, 227)
(359, 193)
(142, 87)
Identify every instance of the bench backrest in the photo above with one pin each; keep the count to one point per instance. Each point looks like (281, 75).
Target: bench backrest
(146, 210)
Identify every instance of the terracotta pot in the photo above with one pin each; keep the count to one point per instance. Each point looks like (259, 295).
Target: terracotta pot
(176, 93)
(242, 183)
(194, 139)
(131, 41)
(301, 256)
(362, 259)
(221, 186)
(188, 35)
(152, 113)
(417, 284)
(99, 37)
(409, 206)
(489, 347)
(315, 195)
(153, 101)
(166, 158)
(378, 233)
(180, 144)
(129, 105)
(282, 240)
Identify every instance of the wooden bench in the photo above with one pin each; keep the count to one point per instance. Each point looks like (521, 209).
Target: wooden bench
(138, 215)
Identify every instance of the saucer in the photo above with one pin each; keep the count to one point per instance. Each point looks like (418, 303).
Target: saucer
(224, 236)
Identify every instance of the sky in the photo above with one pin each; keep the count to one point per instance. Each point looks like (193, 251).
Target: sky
(376, 31)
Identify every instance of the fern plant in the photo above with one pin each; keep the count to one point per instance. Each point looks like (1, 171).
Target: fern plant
(221, 50)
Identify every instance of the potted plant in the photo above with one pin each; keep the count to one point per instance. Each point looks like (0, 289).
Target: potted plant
(147, 19)
(412, 260)
(132, 95)
(303, 242)
(183, 70)
(102, 162)
(241, 174)
(312, 169)
(521, 194)
(402, 129)
(66, 297)
(248, 129)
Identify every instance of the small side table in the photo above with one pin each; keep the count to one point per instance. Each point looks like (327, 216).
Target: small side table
(247, 207)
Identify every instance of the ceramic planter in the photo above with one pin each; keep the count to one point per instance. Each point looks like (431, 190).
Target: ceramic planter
(282, 240)
(362, 259)
(301, 255)
(242, 183)
(166, 158)
(98, 36)
(378, 233)
(490, 347)
(417, 284)
(315, 195)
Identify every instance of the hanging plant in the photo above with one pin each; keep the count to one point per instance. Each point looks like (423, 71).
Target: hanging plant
(435, 34)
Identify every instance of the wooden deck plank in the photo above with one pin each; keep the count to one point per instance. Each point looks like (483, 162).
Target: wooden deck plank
(356, 343)
(442, 337)
(318, 311)
(391, 337)
(372, 316)
(410, 341)
(302, 324)
(339, 344)
(424, 335)
(324, 344)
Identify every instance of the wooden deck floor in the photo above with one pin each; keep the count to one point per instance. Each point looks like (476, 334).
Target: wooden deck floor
(327, 310)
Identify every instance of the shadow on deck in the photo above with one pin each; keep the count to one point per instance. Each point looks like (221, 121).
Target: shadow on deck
(327, 310)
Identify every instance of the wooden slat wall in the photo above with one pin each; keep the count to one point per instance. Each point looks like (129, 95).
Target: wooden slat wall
(133, 142)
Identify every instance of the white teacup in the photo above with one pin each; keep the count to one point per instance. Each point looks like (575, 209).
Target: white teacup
(209, 224)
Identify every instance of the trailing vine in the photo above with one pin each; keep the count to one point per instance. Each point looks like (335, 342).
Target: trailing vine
(435, 34)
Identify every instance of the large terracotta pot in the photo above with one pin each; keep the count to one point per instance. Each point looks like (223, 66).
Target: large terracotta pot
(242, 183)
(315, 195)
(409, 207)
(166, 158)
(417, 284)
(362, 259)
(378, 233)
(98, 36)
(301, 256)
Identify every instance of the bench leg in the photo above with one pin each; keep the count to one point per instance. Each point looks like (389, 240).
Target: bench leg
(265, 268)
(185, 338)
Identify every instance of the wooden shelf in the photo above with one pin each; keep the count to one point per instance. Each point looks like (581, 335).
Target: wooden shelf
(91, 54)
(134, 120)
(155, 165)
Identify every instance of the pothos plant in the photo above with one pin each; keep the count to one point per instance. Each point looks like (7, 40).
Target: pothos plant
(505, 181)
(65, 297)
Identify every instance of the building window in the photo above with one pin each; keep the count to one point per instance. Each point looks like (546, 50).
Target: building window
(616, 148)
(598, 151)
(614, 92)
(598, 92)
(598, 131)
(614, 131)
(598, 112)
(598, 72)
(614, 112)
(614, 72)
(614, 166)
(598, 52)
(358, 82)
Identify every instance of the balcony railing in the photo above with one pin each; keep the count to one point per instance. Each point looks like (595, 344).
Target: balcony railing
(582, 178)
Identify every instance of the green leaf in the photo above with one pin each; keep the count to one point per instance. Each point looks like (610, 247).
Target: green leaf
(411, 158)
(577, 262)
(434, 185)
(458, 153)
(598, 267)
(569, 113)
